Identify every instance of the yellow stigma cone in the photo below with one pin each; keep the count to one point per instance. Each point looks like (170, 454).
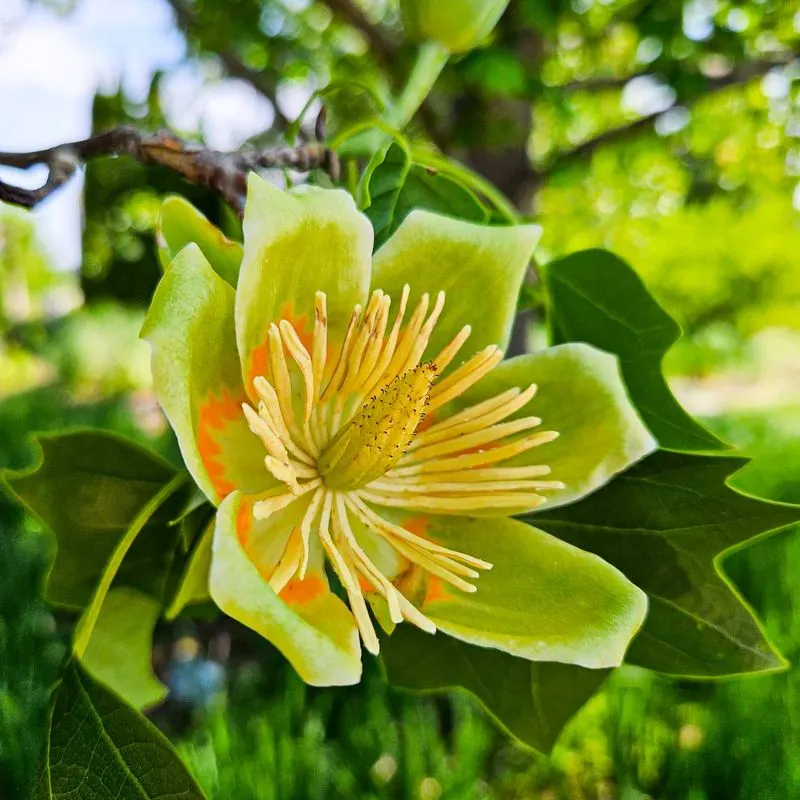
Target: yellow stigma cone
(341, 426)
(378, 436)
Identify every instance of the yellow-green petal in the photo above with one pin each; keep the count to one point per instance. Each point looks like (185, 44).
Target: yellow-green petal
(307, 623)
(296, 244)
(480, 268)
(543, 600)
(180, 223)
(582, 396)
(197, 379)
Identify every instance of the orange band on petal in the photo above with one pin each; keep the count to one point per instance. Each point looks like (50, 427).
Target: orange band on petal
(301, 592)
(426, 422)
(213, 416)
(436, 590)
(244, 522)
(417, 525)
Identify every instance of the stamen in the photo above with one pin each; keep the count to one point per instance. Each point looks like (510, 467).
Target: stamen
(450, 350)
(319, 347)
(478, 475)
(270, 439)
(302, 358)
(349, 580)
(341, 364)
(286, 567)
(284, 472)
(385, 528)
(423, 337)
(269, 505)
(465, 376)
(368, 569)
(465, 442)
(273, 415)
(343, 426)
(373, 383)
(305, 529)
(408, 338)
(523, 501)
(476, 417)
(480, 459)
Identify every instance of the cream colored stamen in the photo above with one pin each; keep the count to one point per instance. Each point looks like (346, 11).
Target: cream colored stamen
(339, 425)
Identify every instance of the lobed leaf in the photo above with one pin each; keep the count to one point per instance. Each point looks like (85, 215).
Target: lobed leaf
(667, 524)
(597, 298)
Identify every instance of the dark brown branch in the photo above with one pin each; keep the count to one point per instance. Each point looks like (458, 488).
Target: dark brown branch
(597, 84)
(225, 173)
(734, 78)
(736, 75)
(262, 82)
(382, 47)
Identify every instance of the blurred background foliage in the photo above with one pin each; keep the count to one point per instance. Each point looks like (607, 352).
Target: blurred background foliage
(668, 132)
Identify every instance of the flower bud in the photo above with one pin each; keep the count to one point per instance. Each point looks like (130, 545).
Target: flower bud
(458, 25)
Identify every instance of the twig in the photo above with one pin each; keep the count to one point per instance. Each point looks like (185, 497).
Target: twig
(734, 78)
(261, 81)
(225, 173)
(381, 45)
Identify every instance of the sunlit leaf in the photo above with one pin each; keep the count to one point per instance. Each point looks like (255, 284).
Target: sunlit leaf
(397, 185)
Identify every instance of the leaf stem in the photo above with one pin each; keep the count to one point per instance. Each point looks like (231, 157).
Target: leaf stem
(431, 59)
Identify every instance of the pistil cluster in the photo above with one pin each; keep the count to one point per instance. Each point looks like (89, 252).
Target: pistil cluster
(345, 428)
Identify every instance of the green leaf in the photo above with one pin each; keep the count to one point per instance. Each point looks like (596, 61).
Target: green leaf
(85, 626)
(596, 297)
(99, 748)
(531, 700)
(397, 185)
(181, 223)
(88, 488)
(119, 653)
(667, 524)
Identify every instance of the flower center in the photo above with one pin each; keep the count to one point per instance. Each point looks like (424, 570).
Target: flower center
(379, 434)
(341, 429)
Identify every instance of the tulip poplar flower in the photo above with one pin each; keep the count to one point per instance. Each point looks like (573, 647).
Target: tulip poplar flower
(353, 419)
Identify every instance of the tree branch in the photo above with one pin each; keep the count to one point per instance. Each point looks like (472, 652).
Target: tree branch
(382, 47)
(225, 173)
(736, 77)
(263, 83)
